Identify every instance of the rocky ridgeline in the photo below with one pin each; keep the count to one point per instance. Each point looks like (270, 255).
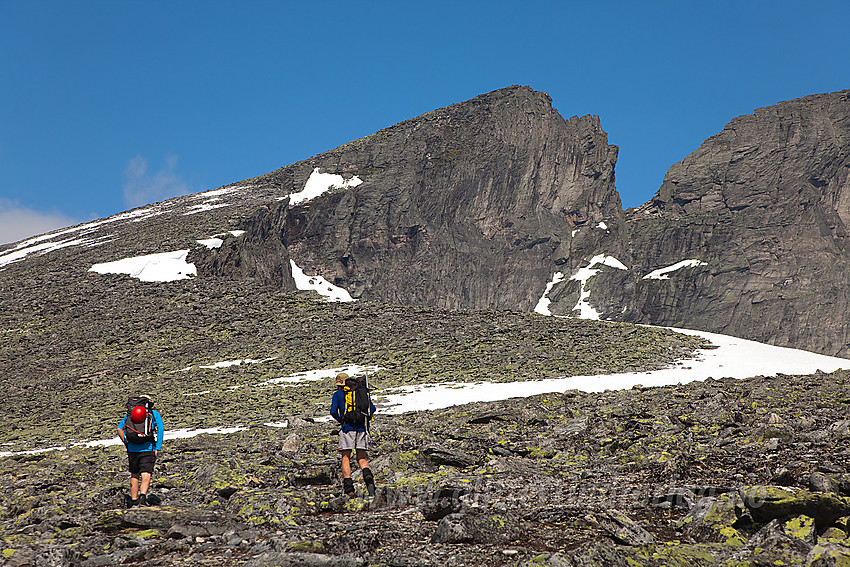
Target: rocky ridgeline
(480, 204)
(722, 472)
(765, 204)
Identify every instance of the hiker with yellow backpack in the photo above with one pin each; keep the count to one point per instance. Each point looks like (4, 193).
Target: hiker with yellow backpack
(352, 408)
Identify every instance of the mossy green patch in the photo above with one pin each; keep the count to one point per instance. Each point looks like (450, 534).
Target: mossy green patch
(733, 536)
(541, 453)
(801, 527)
(305, 546)
(829, 555)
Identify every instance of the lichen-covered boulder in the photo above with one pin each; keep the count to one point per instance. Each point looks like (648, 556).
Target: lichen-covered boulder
(493, 528)
(715, 519)
(623, 529)
(828, 555)
(767, 503)
(778, 543)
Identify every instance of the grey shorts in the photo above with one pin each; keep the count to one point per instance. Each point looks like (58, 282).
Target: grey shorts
(353, 440)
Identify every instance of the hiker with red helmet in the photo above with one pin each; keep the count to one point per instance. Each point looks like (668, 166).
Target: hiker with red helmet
(141, 430)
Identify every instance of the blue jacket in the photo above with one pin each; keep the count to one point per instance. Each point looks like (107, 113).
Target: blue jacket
(158, 429)
(338, 408)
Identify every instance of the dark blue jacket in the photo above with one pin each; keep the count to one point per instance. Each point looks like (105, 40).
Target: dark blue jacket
(338, 408)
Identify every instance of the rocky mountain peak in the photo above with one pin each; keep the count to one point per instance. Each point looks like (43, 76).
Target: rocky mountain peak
(499, 202)
(466, 206)
(763, 205)
(794, 153)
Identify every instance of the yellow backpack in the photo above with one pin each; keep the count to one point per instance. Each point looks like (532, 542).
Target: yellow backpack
(358, 404)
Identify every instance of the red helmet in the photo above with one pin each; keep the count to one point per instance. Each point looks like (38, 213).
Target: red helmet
(138, 414)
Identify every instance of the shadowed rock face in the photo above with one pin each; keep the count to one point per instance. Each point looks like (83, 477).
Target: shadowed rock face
(467, 206)
(477, 205)
(765, 204)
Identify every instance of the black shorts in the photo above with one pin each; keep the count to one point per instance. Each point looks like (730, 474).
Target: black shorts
(141, 462)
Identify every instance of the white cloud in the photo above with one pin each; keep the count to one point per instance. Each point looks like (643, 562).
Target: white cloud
(142, 187)
(18, 222)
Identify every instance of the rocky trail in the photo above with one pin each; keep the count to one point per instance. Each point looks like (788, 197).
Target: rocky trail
(722, 472)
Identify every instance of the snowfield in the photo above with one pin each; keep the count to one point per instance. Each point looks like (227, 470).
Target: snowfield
(319, 183)
(318, 284)
(586, 311)
(662, 273)
(162, 267)
(733, 358)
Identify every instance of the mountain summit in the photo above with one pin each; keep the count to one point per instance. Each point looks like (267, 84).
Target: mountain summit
(499, 202)
(468, 206)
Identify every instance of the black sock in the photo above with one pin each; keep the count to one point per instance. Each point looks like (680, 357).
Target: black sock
(367, 476)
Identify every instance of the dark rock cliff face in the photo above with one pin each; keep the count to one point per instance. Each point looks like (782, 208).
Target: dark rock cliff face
(467, 206)
(477, 205)
(765, 205)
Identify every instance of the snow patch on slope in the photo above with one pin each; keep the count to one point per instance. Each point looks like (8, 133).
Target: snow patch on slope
(169, 435)
(661, 273)
(239, 362)
(215, 241)
(586, 311)
(162, 267)
(319, 183)
(208, 205)
(318, 284)
(51, 242)
(321, 374)
(544, 301)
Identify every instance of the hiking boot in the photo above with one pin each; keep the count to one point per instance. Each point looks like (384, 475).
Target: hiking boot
(348, 486)
(130, 502)
(143, 500)
(369, 479)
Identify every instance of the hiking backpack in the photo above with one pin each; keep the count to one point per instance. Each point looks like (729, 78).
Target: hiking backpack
(358, 404)
(139, 432)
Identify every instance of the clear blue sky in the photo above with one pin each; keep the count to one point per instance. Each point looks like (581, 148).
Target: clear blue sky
(106, 105)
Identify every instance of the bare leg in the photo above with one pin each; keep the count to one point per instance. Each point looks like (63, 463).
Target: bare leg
(361, 459)
(146, 483)
(134, 486)
(346, 463)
